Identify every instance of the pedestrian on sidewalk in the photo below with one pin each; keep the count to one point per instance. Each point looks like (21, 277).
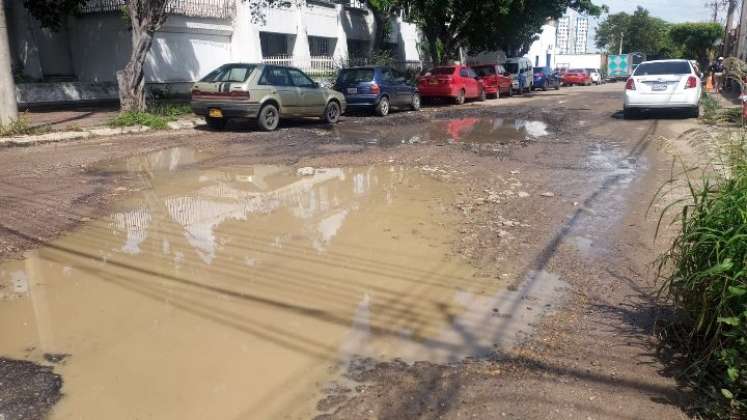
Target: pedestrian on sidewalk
(717, 74)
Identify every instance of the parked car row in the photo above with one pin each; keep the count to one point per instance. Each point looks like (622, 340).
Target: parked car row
(268, 93)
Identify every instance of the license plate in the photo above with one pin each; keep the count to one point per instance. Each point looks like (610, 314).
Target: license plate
(215, 113)
(660, 86)
(433, 82)
(352, 91)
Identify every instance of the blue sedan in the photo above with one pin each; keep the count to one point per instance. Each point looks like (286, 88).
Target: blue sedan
(545, 78)
(376, 88)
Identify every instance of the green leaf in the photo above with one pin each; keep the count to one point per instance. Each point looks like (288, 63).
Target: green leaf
(732, 373)
(727, 394)
(737, 290)
(732, 320)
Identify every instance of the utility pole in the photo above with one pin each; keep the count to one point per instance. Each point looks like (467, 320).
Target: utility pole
(715, 4)
(8, 106)
(622, 36)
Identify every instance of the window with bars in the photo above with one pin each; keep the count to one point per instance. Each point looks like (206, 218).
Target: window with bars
(219, 9)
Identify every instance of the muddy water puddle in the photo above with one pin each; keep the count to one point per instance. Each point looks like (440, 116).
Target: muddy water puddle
(450, 131)
(239, 292)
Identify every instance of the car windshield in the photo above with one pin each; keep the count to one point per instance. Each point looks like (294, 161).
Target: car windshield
(442, 70)
(233, 73)
(356, 75)
(540, 71)
(484, 70)
(662, 67)
(512, 67)
(576, 71)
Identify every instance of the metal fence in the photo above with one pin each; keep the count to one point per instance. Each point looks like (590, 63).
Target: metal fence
(219, 9)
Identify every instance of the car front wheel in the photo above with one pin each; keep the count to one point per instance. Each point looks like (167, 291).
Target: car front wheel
(332, 112)
(415, 104)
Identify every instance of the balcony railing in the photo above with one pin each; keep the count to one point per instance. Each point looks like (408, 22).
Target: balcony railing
(218, 9)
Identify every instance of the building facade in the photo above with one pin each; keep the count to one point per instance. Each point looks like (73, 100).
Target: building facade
(572, 35)
(199, 35)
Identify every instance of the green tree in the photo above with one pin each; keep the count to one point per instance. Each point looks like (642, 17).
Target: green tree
(485, 25)
(696, 40)
(638, 32)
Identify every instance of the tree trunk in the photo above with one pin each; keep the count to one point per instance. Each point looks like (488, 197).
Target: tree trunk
(729, 23)
(131, 79)
(380, 22)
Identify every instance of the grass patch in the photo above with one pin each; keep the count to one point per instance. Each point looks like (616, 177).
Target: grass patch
(705, 279)
(156, 117)
(713, 113)
(130, 118)
(18, 127)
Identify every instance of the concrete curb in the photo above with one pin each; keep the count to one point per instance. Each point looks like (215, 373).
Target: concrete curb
(58, 136)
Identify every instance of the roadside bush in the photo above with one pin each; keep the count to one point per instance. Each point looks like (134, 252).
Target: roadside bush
(705, 278)
(157, 116)
(18, 127)
(147, 119)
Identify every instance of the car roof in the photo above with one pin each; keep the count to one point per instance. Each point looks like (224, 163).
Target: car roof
(676, 60)
(364, 68)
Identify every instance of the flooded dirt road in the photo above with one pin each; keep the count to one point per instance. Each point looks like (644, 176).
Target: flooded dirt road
(484, 262)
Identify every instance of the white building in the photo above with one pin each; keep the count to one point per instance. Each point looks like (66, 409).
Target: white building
(572, 33)
(80, 61)
(543, 51)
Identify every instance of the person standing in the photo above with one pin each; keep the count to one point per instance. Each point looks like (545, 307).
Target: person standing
(717, 74)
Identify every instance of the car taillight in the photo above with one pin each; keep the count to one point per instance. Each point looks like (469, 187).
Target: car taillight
(630, 85)
(239, 94)
(375, 89)
(692, 82)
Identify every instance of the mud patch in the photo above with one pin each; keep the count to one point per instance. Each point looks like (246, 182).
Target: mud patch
(27, 391)
(466, 130)
(239, 291)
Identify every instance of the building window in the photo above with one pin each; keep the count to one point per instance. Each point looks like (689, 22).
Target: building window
(274, 45)
(321, 47)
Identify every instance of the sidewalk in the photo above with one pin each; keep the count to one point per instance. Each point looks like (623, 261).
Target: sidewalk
(72, 119)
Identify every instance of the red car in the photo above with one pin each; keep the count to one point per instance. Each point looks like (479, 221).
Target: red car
(494, 79)
(576, 77)
(456, 82)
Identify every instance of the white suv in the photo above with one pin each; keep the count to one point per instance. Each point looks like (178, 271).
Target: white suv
(596, 78)
(663, 84)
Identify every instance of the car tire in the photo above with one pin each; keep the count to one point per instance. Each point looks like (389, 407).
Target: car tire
(544, 87)
(215, 123)
(694, 112)
(382, 107)
(332, 112)
(268, 117)
(557, 86)
(415, 103)
(510, 91)
(459, 100)
(482, 96)
(630, 113)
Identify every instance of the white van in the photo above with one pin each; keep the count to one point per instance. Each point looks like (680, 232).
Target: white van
(518, 66)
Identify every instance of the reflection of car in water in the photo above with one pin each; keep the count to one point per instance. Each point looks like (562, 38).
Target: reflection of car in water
(461, 128)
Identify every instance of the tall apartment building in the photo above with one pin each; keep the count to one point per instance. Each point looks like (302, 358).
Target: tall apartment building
(572, 34)
(582, 34)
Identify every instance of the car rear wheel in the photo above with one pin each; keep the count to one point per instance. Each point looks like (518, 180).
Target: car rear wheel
(215, 123)
(459, 100)
(482, 96)
(332, 112)
(630, 113)
(544, 87)
(415, 104)
(382, 108)
(694, 112)
(268, 118)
